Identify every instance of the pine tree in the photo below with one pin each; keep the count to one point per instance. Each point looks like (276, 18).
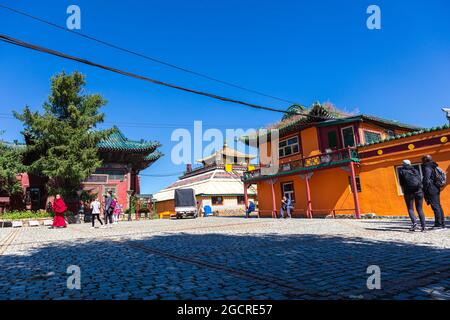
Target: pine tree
(61, 142)
(10, 166)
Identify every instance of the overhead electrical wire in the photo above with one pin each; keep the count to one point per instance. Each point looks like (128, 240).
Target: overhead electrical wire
(38, 48)
(141, 55)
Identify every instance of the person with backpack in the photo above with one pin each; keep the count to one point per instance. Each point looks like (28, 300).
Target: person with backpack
(434, 179)
(109, 209)
(411, 183)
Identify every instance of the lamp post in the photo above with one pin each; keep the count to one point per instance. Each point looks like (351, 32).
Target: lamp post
(78, 221)
(129, 194)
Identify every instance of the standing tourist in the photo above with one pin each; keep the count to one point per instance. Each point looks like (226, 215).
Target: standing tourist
(411, 184)
(95, 206)
(109, 209)
(434, 179)
(59, 208)
(286, 206)
(117, 211)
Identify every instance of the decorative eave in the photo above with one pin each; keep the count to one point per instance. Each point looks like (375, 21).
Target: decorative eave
(305, 123)
(405, 135)
(118, 142)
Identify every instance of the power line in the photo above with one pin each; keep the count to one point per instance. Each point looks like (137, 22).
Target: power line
(144, 124)
(141, 55)
(24, 44)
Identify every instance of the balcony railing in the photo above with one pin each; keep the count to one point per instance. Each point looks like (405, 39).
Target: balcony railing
(319, 161)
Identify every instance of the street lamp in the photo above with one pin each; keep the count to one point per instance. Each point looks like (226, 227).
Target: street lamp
(78, 221)
(129, 194)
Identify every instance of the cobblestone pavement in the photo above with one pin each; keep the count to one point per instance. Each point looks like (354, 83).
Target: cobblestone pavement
(226, 258)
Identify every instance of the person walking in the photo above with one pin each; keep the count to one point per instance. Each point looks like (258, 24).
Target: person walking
(286, 206)
(59, 208)
(411, 183)
(109, 209)
(95, 207)
(434, 179)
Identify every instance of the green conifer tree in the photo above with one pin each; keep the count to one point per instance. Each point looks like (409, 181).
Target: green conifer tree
(61, 142)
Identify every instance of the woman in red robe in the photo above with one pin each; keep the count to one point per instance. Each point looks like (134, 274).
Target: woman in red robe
(59, 207)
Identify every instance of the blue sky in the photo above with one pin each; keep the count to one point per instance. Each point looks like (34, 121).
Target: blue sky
(303, 51)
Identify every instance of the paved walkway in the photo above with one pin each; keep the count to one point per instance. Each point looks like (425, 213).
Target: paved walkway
(226, 258)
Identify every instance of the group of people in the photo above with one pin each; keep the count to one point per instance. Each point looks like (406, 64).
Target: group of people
(417, 188)
(112, 211)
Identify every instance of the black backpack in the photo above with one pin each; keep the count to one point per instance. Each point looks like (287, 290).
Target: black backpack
(412, 179)
(440, 177)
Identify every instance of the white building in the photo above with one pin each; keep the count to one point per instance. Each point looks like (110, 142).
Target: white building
(214, 183)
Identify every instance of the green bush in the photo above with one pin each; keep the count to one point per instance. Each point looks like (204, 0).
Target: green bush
(19, 215)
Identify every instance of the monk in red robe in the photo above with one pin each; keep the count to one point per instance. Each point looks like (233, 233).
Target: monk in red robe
(59, 207)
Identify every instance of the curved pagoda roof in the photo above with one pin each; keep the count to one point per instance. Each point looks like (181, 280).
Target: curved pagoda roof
(226, 151)
(321, 115)
(118, 142)
(117, 148)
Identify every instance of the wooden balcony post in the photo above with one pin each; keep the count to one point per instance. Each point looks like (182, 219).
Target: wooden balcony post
(274, 202)
(355, 190)
(309, 213)
(245, 196)
(309, 210)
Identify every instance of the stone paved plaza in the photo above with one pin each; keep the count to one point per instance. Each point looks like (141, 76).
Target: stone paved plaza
(226, 258)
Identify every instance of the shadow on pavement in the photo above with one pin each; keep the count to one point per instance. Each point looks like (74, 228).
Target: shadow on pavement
(225, 266)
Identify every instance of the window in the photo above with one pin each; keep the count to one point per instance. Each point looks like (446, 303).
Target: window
(417, 166)
(289, 147)
(370, 136)
(112, 189)
(348, 136)
(332, 139)
(358, 183)
(287, 190)
(112, 174)
(217, 201)
(241, 200)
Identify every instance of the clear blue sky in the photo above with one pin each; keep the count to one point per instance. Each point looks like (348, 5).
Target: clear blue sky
(300, 50)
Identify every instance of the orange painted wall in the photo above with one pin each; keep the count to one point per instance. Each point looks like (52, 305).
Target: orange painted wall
(330, 188)
(381, 192)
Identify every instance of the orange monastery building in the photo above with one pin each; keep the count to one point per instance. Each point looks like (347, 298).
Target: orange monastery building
(331, 163)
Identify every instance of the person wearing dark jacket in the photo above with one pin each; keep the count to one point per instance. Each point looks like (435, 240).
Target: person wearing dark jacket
(432, 192)
(108, 208)
(411, 183)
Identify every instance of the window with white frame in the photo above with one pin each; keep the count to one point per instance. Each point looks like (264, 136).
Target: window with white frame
(289, 147)
(287, 190)
(417, 166)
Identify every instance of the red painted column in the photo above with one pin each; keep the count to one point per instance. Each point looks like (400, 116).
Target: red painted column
(309, 213)
(137, 209)
(355, 190)
(274, 202)
(245, 196)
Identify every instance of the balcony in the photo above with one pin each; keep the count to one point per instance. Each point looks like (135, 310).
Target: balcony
(320, 161)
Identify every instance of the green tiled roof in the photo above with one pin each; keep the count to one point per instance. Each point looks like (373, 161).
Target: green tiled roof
(153, 156)
(117, 141)
(336, 120)
(406, 135)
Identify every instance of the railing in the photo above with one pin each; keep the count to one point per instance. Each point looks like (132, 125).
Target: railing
(318, 161)
(210, 167)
